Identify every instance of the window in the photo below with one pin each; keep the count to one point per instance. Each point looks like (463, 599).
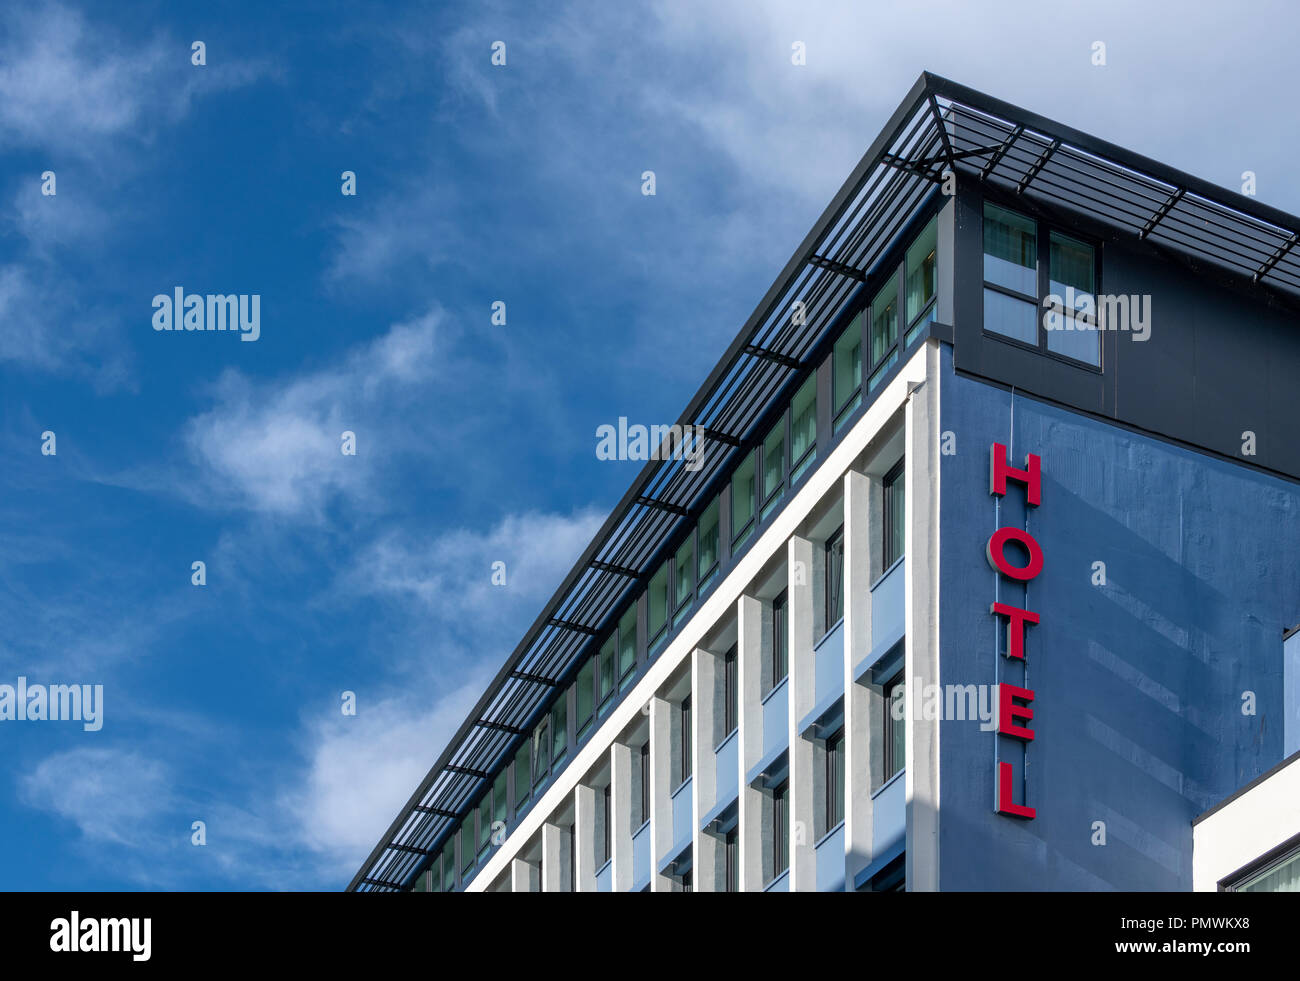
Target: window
(895, 725)
(1277, 871)
(559, 728)
(608, 674)
(780, 829)
(584, 696)
(742, 502)
(523, 774)
(834, 780)
(846, 371)
(435, 873)
(708, 560)
(499, 799)
(683, 578)
(731, 861)
(685, 740)
(780, 639)
(1073, 332)
(774, 466)
(645, 782)
(627, 646)
(922, 280)
(541, 750)
(657, 604)
(884, 331)
(466, 846)
(895, 524)
(606, 851)
(1010, 274)
(834, 579)
(730, 694)
(485, 821)
(449, 868)
(803, 429)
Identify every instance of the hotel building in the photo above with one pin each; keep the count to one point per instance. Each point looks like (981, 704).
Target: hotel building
(987, 577)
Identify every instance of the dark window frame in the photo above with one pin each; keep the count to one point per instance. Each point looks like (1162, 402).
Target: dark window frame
(779, 649)
(890, 550)
(645, 782)
(833, 598)
(685, 741)
(780, 830)
(893, 766)
(833, 812)
(730, 692)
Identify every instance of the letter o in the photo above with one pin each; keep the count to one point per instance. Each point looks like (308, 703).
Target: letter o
(996, 552)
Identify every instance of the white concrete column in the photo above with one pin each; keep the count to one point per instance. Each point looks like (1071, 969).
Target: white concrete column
(921, 596)
(620, 805)
(661, 802)
(584, 837)
(555, 858)
(523, 876)
(859, 541)
(705, 849)
(803, 698)
(749, 653)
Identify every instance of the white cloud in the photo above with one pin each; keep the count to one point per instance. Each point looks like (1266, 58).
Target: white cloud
(111, 795)
(276, 447)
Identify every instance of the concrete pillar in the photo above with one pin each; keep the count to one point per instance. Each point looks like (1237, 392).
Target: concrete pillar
(749, 653)
(859, 543)
(584, 837)
(620, 805)
(661, 803)
(803, 698)
(921, 594)
(706, 858)
(523, 876)
(555, 858)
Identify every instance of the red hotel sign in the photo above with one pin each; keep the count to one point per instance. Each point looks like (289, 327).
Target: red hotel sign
(1010, 712)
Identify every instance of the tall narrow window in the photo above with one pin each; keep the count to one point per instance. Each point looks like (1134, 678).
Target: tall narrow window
(731, 852)
(834, 780)
(541, 750)
(657, 605)
(1072, 331)
(449, 867)
(627, 646)
(645, 782)
(742, 501)
(523, 774)
(834, 579)
(435, 874)
(685, 740)
(846, 370)
(606, 852)
(466, 846)
(584, 696)
(485, 821)
(708, 561)
(559, 728)
(922, 280)
(895, 725)
(774, 466)
(730, 693)
(683, 578)
(895, 523)
(780, 829)
(803, 429)
(884, 331)
(1010, 274)
(499, 799)
(780, 639)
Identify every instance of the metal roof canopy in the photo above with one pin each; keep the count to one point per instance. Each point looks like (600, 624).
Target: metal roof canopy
(939, 125)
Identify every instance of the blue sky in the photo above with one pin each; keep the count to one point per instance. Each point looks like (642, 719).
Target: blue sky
(476, 443)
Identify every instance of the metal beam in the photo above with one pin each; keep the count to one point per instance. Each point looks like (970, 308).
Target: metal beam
(577, 628)
(650, 502)
(535, 679)
(1038, 165)
(409, 849)
(943, 130)
(466, 771)
(766, 355)
(498, 727)
(436, 811)
(822, 262)
(1277, 256)
(720, 437)
(617, 570)
(1164, 209)
(1007, 144)
(381, 882)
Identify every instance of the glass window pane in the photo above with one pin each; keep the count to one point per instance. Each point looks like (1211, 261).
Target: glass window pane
(466, 850)
(895, 516)
(448, 870)
(484, 821)
(742, 499)
(837, 774)
(627, 643)
(523, 773)
(435, 874)
(559, 728)
(684, 572)
(1075, 338)
(607, 670)
(884, 320)
(1010, 250)
(499, 799)
(1284, 877)
(835, 579)
(780, 640)
(774, 461)
(708, 542)
(1072, 264)
(658, 601)
(803, 428)
(1010, 317)
(585, 696)
(541, 750)
(846, 376)
(922, 269)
